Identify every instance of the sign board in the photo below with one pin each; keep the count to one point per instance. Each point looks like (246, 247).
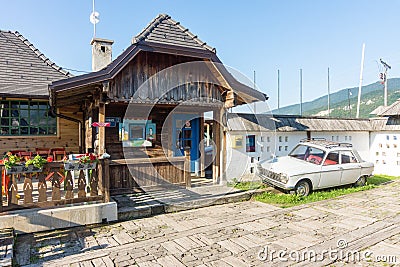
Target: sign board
(101, 124)
(113, 121)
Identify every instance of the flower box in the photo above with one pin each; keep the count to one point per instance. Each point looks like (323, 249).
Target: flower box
(77, 166)
(23, 169)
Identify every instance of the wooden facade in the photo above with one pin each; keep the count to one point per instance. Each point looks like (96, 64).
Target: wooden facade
(168, 84)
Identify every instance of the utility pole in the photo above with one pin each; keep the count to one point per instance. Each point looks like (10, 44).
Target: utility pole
(278, 93)
(329, 97)
(301, 92)
(254, 87)
(360, 85)
(385, 93)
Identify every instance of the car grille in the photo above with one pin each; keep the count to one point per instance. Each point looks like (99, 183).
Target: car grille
(270, 174)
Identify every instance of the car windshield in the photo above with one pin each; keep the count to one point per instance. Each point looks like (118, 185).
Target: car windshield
(308, 153)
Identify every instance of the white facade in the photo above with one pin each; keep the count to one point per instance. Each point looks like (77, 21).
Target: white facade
(381, 148)
(385, 152)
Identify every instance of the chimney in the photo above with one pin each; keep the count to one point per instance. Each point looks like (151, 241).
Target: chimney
(101, 53)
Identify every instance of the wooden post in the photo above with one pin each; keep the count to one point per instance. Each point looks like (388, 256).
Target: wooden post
(186, 169)
(12, 191)
(69, 186)
(28, 189)
(81, 184)
(202, 147)
(94, 181)
(42, 187)
(1, 187)
(102, 130)
(106, 180)
(56, 187)
(217, 149)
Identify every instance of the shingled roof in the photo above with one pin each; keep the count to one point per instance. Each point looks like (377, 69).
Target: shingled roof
(289, 123)
(163, 29)
(161, 35)
(24, 70)
(392, 110)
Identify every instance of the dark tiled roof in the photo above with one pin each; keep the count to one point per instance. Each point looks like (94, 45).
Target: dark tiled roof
(24, 70)
(163, 29)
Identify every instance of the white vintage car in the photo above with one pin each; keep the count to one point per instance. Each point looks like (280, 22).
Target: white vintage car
(316, 164)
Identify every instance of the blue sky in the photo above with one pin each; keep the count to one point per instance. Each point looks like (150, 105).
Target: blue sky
(249, 35)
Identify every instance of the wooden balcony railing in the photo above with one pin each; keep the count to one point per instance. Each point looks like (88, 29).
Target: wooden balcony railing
(54, 186)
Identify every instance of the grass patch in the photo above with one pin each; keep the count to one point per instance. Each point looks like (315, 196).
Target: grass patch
(290, 200)
(247, 185)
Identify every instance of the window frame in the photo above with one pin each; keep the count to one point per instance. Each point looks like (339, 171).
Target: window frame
(28, 119)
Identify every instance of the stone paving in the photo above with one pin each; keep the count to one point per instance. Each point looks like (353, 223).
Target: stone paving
(360, 229)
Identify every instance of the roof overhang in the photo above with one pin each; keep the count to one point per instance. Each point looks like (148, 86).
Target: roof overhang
(78, 88)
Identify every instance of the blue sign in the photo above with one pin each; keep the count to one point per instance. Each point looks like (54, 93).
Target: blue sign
(113, 121)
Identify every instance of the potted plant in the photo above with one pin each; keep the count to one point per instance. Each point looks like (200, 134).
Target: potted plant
(86, 161)
(36, 163)
(14, 164)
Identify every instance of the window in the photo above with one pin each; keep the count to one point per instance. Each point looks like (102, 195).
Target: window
(251, 143)
(345, 138)
(268, 139)
(251, 169)
(398, 162)
(333, 138)
(286, 138)
(350, 137)
(286, 148)
(252, 159)
(398, 154)
(332, 158)
(267, 148)
(136, 131)
(384, 154)
(347, 157)
(395, 137)
(262, 138)
(280, 148)
(258, 159)
(262, 148)
(337, 138)
(26, 118)
(280, 138)
(387, 137)
(376, 153)
(394, 145)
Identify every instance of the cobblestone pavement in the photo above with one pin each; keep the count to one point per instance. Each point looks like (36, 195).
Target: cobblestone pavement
(361, 229)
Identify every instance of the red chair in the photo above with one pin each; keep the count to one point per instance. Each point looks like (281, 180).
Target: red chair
(43, 152)
(24, 154)
(58, 153)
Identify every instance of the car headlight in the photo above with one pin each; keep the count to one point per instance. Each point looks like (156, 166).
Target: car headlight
(284, 178)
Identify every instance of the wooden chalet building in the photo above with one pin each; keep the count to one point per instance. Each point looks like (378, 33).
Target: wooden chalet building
(25, 74)
(155, 95)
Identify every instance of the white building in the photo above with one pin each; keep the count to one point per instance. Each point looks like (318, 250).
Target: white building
(252, 138)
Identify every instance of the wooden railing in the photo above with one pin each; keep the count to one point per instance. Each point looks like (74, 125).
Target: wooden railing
(131, 174)
(54, 187)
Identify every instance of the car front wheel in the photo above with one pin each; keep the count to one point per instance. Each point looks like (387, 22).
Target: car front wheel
(303, 188)
(361, 181)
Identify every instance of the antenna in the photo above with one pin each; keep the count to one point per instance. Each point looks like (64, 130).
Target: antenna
(94, 19)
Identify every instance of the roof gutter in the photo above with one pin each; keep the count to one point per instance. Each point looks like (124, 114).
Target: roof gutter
(53, 113)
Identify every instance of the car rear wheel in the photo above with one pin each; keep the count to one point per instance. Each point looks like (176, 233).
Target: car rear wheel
(361, 181)
(303, 188)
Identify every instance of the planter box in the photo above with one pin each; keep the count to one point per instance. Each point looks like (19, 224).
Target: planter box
(76, 166)
(23, 169)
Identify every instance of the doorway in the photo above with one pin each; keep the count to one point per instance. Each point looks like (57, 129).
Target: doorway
(185, 134)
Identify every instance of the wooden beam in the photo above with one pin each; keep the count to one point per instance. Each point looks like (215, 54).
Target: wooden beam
(102, 130)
